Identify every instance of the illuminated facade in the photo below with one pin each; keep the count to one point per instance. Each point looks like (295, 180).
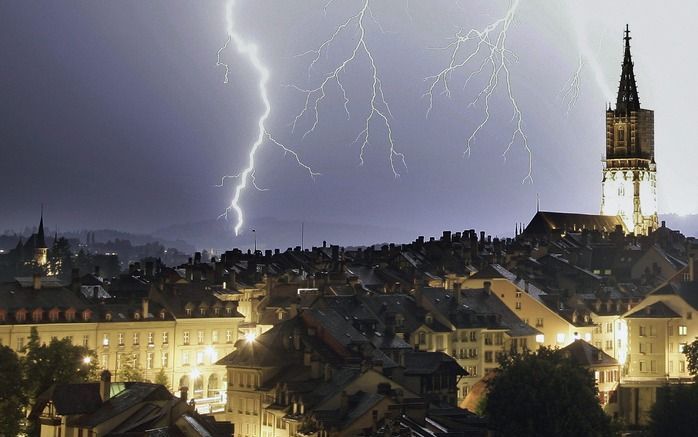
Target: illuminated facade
(630, 173)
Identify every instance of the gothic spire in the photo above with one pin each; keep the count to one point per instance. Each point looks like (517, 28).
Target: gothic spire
(628, 99)
(40, 240)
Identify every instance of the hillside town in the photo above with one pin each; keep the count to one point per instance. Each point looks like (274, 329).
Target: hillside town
(335, 341)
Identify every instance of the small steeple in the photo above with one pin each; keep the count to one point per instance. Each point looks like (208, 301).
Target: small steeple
(628, 99)
(40, 239)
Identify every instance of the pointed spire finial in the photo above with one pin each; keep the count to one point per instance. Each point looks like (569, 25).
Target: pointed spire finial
(628, 99)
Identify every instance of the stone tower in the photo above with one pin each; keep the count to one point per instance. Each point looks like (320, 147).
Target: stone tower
(629, 186)
(40, 249)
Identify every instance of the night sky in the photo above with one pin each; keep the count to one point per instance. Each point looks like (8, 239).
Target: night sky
(114, 114)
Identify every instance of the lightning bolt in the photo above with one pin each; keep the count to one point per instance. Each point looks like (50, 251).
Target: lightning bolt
(572, 89)
(250, 51)
(378, 110)
(489, 44)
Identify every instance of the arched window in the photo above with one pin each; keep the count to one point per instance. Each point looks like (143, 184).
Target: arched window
(214, 387)
(198, 387)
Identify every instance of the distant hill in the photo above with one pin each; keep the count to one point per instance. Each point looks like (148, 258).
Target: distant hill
(273, 233)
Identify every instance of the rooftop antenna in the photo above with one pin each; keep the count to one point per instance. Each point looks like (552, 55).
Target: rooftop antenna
(537, 202)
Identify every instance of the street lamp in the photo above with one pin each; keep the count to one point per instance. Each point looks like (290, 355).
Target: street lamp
(87, 360)
(250, 337)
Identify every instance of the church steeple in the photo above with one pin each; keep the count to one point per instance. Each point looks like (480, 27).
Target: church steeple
(628, 99)
(40, 239)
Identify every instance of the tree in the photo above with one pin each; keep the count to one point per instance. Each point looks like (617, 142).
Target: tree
(12, 398)
(162, 379)
(131, 370)
(58, 362)
(691, 352)
(544, 394)
(674, 412)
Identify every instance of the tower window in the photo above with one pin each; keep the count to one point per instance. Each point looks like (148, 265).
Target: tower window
(621, 134)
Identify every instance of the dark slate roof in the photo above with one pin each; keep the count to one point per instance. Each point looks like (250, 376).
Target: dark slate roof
(658, 310)
(13, 296)
(134, 394)
(587, 355)
(426, 363)
(272, 349)
(544, 222)
(69, 399)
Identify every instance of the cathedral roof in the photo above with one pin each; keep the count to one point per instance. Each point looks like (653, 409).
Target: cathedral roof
(628, 99)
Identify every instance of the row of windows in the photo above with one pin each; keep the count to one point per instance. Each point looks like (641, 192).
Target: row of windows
(150, 362)
(165, 337)
(200, 355)
(201, 336)
(651, 331)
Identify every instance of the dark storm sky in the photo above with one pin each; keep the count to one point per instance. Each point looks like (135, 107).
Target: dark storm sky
(113, 114)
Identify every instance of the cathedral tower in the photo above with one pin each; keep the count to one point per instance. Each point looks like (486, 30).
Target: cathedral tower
(629, 186)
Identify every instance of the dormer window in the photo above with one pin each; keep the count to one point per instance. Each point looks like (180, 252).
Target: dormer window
(86, 315)
(202, 311)
(21, 315)
(107, 317)
(37, 315)
(162, 314)
(53, 314)
(429, 319)
(187, 312)
(3, 314)
(136, 315)
(70, 314)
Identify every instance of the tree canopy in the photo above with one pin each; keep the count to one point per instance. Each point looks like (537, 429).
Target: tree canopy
(59, 361)
(544, 393)
(12, 397)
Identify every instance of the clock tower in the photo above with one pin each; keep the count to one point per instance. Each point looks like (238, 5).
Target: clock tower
(629, 186)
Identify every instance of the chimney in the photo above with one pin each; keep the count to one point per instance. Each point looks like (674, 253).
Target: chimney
(145, 307)
(104, 385)
(197, 257)
(457, 292)
(487, 285)
(232, 283)
(297, 339)
(183, 392)
(417, 292)
(343, 403)
(37, 281)
(691, 268)
(315, 369)
(149, 269)
(75, 279)
(97, 272)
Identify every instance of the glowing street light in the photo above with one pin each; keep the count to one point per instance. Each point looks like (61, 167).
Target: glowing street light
(86, 360)
(250, 337)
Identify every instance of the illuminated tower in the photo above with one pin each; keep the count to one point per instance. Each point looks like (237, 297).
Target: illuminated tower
(629, 187)
(40, 249)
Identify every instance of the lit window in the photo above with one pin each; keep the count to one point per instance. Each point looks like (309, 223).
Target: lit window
(105, 340)
(214, 336)
(185, 358)
(200, 337)
(199, 358)
(228, 336)
(682, 346)
(149, 360)
(165, 337)
(186, 337)
(136, 338)
(560, 337)
(683, 330)
(151, 337)
(540, 338)
(164, 359)
(587, 337)
(121, 338)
